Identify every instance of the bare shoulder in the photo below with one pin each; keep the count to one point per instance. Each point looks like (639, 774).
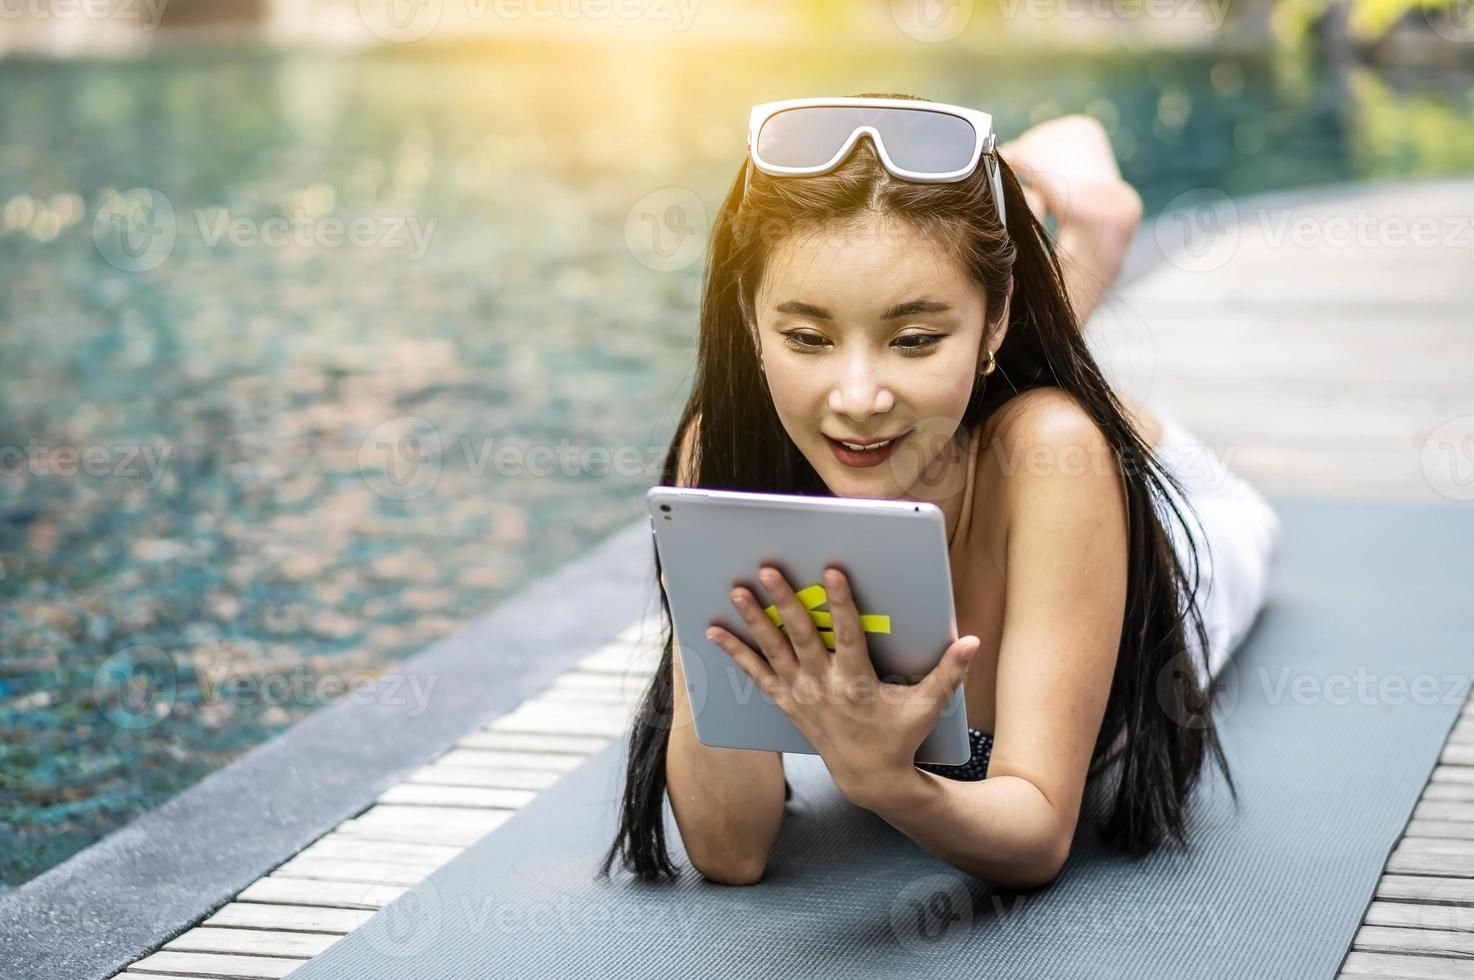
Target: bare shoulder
(1051, 453)
(1046, 418)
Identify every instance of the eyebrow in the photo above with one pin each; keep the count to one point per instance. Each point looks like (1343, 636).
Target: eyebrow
(895, 312)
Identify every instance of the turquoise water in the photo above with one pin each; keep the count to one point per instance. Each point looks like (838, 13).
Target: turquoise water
(281, 337)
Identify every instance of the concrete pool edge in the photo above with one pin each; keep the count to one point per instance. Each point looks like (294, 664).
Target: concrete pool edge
(156, 876)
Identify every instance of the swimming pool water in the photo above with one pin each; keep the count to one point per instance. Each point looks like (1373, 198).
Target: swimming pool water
(305, 359)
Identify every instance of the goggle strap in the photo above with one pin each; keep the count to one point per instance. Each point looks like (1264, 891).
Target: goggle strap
(995, 179)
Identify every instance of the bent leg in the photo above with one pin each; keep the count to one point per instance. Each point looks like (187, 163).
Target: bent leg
(1235, 534)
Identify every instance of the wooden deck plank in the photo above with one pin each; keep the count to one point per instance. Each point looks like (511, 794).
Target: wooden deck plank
(489, 777)
(555, 718)
(1421, 941)
(1442, 864)
(251, 942)
(583, 680)
(216, 966)
(1444, 810)
(1451, 829)
(621, 661)
(580, 695)
(286, 918)
(471, 797)
(541, 743)
(340, 845)
(434, 816)
(479, 749)
(1421, 915)
(329, 894)
(1456, 792)
(1436, 845)
(348, 869)
(1454, 774)
(1403, 967)
(1423, 888)
(413, 835)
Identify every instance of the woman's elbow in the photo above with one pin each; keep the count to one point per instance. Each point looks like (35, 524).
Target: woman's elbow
(732, 871)
(1036, 872)
(1115, 209)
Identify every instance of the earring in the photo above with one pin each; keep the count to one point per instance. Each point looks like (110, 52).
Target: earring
(992, 364)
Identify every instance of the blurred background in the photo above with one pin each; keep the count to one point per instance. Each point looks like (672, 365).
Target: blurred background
(326, 325)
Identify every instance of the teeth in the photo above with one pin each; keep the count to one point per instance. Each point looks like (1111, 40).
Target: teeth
(866, 449)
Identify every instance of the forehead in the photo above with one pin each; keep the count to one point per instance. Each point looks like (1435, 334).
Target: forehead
(854, 267)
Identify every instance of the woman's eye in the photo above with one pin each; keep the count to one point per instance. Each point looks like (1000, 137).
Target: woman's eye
(803, 339)
(808, 340)
(927, 341)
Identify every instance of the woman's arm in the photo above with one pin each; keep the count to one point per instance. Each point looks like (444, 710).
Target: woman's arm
(1069, 172)
(728, 803)
(1065, 598)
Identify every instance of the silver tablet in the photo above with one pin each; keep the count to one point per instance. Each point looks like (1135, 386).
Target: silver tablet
(894, 553)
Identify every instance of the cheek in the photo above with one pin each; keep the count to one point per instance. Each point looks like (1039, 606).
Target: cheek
(943, 387)
(797, 394)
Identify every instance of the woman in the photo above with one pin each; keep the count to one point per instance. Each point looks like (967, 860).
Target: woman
(855, 305)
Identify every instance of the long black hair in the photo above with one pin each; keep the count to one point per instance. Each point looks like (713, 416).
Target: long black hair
(1157, 722)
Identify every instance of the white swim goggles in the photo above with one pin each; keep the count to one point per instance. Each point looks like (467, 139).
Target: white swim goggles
(928, 142)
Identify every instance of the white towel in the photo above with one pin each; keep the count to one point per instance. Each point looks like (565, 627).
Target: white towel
(1236, 537)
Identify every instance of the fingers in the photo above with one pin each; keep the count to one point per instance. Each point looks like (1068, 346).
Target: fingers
(803, 635)
(752, 665)
(852, 653)
(770, 639)
(1036, 203)
(937, 687)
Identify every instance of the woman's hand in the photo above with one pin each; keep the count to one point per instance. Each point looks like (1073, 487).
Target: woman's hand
(1068, 171)
(866, 730)
(1063, 164)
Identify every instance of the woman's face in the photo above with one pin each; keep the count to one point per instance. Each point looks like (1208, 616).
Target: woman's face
(871, 332)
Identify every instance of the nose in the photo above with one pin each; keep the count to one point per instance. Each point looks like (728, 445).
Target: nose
(860, 391)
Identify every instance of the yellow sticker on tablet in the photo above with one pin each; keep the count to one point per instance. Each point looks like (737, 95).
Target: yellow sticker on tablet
(814, 596)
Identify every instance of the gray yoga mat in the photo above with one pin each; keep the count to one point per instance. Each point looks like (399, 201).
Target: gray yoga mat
(1328, 776)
